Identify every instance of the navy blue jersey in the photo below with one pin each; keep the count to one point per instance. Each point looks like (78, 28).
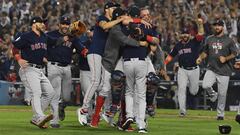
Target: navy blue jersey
(187, 53)
(137, 52)
(99, 37)
(149, 31)
(62, 53)
(33, 47)
(83, 63)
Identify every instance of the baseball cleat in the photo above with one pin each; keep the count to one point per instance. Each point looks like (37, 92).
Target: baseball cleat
(43, 127)
(130, 128)
(237, 119)
(143, 130)
(182, 115)
(55, 125)
(109, 119)
(95, 121)
(127, 123)
(42, 121)
(220, 118)
(82, 116)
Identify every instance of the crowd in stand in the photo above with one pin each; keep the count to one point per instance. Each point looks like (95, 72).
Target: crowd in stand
(169, 16)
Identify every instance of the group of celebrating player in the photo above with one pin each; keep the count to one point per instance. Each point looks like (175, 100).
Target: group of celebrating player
(116, 68)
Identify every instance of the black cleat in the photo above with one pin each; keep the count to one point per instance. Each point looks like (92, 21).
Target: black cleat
(220, 118)
(127, 123)
(55, 125)
(237, 119)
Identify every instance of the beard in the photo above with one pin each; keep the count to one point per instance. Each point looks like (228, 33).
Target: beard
(218, 32)
(40, 28)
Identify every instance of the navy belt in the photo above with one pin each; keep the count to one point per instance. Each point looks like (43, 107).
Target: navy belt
(133, 59)
(189, 68)
(36, 66)
(59, 64)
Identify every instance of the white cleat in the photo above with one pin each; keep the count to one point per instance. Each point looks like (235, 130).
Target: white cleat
(82, 117)
(109, 120)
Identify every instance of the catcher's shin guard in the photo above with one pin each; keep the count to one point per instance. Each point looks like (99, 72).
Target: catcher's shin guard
(117, 86)
(152, 87)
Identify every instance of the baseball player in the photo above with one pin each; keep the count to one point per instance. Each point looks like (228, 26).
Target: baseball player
(115, 41)
(59, 69)
(135, 67)
(33, 47)
(94, 57)
(85, 74)
(154, 55)
(219, 49)
(187, 50)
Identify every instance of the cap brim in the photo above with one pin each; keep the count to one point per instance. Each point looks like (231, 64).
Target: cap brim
(219, 24)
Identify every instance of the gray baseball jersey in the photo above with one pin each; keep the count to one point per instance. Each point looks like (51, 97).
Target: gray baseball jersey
(219, 46)
(218, 72)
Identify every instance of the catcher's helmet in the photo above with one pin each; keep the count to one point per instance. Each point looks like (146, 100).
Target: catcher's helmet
(152, 78)
(117, 76)
(224, 129)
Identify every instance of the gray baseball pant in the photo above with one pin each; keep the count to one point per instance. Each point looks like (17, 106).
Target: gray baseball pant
(187, 78)
(222, 82)
(85, 80)
(40, 88)
(95, 64)
(61, 80)
(150, 68)
(136, 71)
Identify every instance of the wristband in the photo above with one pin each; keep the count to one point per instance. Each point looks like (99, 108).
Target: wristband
(149, 38)
(136, 20)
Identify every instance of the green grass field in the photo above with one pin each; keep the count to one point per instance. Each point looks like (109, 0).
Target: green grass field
(14, 120)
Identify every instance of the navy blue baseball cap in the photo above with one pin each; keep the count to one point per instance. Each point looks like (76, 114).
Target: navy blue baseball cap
(218, 22)
(37, 19)
(111, 4)
(65, 20)
(185, 31)
(134, 11)
(117, 12)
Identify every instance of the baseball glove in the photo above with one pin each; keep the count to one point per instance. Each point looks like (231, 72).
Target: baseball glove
(77, 28)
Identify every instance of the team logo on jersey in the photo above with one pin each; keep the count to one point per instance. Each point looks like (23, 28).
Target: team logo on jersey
(217, 46)
(185, 51)
(39, 46)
